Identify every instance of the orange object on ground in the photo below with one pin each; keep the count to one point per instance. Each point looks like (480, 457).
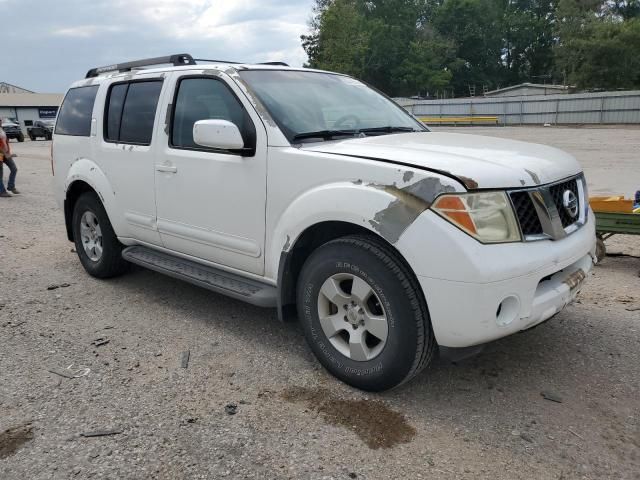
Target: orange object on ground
(611, 204)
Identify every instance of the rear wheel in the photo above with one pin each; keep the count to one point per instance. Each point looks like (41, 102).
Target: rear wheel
(97, 246)
(363, 313)
(21, 137)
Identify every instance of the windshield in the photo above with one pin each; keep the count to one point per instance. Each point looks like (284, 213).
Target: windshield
(316, 106)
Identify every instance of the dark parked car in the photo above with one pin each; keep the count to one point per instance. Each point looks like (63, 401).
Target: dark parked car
(13, 130)
(42, 129)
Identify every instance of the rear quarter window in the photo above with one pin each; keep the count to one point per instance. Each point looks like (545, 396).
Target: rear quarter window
(75, 113)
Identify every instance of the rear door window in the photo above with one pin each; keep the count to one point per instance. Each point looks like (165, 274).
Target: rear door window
(75, 113)
(131, 112)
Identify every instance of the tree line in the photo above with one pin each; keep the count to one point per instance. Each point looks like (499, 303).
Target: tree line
(420, 47)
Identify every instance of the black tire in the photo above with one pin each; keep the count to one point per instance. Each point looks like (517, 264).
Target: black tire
(21, 138)
(110, 263)
(410, 343)
(31, 137)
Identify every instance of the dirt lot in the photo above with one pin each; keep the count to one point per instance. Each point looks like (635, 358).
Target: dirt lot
(125, 340)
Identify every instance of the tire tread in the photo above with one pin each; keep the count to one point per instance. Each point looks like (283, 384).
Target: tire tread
(426, 342)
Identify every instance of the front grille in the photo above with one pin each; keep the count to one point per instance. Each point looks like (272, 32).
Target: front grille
(550, 218)
(557, 191)
(526, 213)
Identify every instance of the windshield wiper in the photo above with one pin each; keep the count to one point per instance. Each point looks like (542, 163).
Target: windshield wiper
(325, 134)
(388, 129)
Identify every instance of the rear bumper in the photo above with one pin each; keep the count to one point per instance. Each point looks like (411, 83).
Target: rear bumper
(478, 293)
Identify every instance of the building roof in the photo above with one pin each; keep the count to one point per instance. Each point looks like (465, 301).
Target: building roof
(559, 88)
(9, 88)
(30, 99)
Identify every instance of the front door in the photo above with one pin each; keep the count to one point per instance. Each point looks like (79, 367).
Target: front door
(211, 202)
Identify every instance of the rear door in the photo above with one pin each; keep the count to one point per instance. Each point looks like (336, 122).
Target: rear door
(128, 152)
(211, 202)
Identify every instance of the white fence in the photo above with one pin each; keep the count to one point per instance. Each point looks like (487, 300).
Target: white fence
(579, 108)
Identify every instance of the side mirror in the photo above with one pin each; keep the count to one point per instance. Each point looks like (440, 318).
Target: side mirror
(220, 134)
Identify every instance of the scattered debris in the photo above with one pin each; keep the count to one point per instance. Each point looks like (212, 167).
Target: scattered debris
(55, 286)
(102, 433)
(231, 408)
(108, 327)
(624, 299)
(14, 325)
(549, 395)
(12, 439)
(579, 436)
(526, 437)
(68, 373)
(184, 359)
(98, 342)
(633, 309)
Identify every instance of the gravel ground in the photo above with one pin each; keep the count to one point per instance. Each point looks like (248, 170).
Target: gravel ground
(125, 341)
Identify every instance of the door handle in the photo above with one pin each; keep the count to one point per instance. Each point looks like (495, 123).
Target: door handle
(166, 169)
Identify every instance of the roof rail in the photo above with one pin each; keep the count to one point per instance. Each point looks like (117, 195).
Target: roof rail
(215, 61)
(175, 60)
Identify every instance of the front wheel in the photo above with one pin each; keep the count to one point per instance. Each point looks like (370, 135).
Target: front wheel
(363, 313)
(98, 248)
(21, 138)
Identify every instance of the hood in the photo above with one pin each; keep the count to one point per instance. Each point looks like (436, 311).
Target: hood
(474, 160)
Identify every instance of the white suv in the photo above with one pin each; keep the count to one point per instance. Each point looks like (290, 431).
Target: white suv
(313, 193)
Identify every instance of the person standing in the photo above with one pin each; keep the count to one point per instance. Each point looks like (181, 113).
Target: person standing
(6, 157)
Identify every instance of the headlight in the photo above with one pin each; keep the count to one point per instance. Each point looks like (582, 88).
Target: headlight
(486, 216)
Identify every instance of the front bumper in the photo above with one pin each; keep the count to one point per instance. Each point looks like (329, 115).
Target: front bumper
(478, 293)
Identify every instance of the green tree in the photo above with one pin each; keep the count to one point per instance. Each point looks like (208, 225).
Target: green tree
(598, 47)
(474, 26)
(426, 69)
(527, 27)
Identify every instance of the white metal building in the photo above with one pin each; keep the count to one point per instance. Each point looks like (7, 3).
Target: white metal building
(25, 106)
(527, 89)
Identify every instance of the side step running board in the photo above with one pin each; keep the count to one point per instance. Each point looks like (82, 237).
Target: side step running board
(211, 278)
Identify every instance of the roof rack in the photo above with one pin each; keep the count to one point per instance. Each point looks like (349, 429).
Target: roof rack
(175, 60)
(215, 61)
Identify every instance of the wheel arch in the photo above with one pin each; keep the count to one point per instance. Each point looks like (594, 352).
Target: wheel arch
(314, 236)
(85, 176)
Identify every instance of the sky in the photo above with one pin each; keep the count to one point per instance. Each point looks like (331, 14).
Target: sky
(48, 44)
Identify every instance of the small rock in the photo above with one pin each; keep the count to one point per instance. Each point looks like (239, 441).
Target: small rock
(231, 408)
(98, 342)
(549, 395)
(353, 475)
(526, 437)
